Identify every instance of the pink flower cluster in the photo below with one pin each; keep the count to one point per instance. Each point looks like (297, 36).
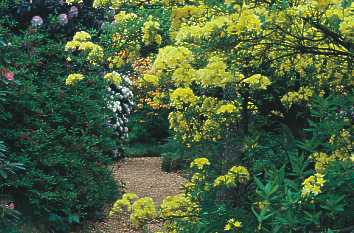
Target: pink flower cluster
(10, 205)
(9, 75)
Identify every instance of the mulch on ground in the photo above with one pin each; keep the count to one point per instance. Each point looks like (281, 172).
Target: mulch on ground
(144, 177)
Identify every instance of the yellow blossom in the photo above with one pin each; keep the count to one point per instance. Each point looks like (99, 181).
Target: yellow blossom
(200, 163)
(72, 79)
(114, 78)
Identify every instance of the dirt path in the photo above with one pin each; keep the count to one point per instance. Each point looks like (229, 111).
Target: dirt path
(144, 177)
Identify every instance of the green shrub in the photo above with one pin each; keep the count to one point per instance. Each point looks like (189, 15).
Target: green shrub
(59, 133)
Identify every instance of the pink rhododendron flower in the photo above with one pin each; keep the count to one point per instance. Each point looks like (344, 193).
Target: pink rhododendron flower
(11, 206)
(9, 75)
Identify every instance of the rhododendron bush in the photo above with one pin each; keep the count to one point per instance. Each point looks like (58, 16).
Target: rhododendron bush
(64, 135)
(263, 90)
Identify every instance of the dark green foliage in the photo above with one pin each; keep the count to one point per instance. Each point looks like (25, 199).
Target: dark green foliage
(8, 216)
(174, 156)
(58, 133)
(148, 125)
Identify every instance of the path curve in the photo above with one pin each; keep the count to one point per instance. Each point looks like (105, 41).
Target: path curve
(144, 177)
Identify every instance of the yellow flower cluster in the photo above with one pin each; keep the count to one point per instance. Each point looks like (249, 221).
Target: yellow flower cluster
(209, 126)
(115, 62)
(200, 163)
(116, 4)
(82, 36)
(184, 75)
(232, 224)
(80, 42)
(244, 21)
(257, 81)
(143, 210)
(107, 3)
(196, 179)
(183, 15)
(123, 204)
(226, 108)
(197, 33)
(344, 144)
(151, 79)
(123, 17)
(183, 97)
(321, 160)
(235, 174)
(178, 206)
(312, 185)
(303, 95)
(151, 31)
(71, 2)
(170, 58)
(114, 78)
(215, 74)
(72, 79)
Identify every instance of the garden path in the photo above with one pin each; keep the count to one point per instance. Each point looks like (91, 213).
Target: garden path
(144, 177)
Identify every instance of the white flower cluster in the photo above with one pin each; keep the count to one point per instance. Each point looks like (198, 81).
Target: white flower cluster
(121, 103)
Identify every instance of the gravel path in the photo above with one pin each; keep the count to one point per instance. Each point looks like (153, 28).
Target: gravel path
(144, 177)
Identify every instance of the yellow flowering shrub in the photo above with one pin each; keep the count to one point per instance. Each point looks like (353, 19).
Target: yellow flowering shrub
(240, 82)
(184, 207)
